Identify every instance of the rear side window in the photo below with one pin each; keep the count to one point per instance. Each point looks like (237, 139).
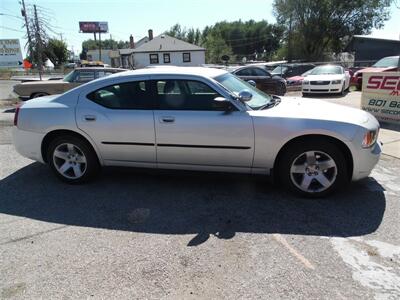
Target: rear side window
(128, 95)
(85, 76)
(185, 95)
(244, 72)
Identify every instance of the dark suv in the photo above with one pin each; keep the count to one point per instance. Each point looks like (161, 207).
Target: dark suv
(290, 70)
(263, 79)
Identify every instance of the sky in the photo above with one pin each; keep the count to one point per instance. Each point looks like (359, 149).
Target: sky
(126, 17)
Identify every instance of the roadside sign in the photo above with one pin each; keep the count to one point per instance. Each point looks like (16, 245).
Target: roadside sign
(10, 53)
(381, 95)
(93, 27)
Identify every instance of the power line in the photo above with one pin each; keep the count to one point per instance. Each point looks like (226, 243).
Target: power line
(12, 29)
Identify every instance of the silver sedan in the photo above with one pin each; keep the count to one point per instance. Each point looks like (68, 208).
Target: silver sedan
(197, 119)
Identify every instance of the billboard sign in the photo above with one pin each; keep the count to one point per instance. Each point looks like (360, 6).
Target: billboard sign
(381, 95)
(92, 27)
(10, 53)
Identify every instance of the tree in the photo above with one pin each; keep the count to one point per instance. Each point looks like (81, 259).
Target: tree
(326, 25)
(56, 51)
(105, 44)
(216, 48)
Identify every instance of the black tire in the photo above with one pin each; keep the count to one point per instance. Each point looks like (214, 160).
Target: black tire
(343, 91)
(281, 89)
(91, 167)
(295, 151)
(40, 94)
(305, 94)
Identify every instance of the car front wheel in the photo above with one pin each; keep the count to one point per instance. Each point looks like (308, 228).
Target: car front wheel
(72, 159)
(313, 169)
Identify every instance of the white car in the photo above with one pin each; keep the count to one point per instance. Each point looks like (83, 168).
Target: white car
(326, 79)
(197, 119)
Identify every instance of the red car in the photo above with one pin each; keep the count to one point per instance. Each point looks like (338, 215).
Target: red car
(386, 64)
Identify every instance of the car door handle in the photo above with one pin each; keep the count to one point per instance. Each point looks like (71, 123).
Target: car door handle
(167, 119)
(90, 118)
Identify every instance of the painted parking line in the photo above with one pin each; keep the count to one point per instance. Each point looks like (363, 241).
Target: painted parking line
(279, 238)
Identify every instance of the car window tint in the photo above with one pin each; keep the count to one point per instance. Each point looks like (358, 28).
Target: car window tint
(103, 73)
(85, 76)
(129, 95)
(259, 72)
(185, 95)
(244, 72)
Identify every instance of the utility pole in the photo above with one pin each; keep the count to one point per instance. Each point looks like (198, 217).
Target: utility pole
(290, 39)
(99, 45)
(38, 42)
(23, 12)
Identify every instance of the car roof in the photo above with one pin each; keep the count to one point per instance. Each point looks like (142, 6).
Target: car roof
(173, 70)
(237, 68)
(100, 69)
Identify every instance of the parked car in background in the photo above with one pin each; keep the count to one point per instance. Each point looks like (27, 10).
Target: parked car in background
(290, 70)
(29, 90)
(386, 64)
(197, 119)
(294, 83)
(269, 66)
(326, 79)
(263, 79)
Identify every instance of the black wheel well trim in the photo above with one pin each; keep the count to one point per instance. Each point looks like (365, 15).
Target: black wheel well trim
(312, 137)
(51, 135)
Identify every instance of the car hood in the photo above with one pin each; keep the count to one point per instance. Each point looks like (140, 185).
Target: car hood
(372, 70)
(325, 77)
(314, 109)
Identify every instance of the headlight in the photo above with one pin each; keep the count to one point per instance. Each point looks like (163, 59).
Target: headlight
(306, 82)
(370, 138)
(336, 81)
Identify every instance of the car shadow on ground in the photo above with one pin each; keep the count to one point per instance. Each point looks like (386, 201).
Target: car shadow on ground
(165, 202)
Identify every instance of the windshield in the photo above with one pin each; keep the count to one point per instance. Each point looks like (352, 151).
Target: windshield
(279, 70)
(235, 85)
(387, 62)
(326, 70)
(69, 77)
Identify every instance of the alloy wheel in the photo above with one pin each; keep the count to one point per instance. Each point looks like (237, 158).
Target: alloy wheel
(69, 161)
(313, 171)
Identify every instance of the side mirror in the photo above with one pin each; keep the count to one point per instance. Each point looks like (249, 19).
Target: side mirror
(245, 96)
(222, 103)
(252, 82)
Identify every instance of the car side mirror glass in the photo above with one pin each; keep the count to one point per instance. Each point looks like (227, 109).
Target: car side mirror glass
(252, 82)
(245, 95)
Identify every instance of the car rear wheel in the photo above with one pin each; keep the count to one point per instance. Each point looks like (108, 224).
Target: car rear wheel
(40, 94)
(72, 159)
(313, 169)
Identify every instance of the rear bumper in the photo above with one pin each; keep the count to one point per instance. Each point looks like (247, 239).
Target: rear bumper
(28, 143)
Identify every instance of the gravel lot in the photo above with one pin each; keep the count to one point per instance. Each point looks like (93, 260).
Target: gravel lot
(181, 235)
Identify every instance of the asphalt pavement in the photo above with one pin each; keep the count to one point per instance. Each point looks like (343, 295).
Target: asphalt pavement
(151, 234)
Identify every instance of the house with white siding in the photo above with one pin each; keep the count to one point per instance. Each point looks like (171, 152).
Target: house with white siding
(166, 50)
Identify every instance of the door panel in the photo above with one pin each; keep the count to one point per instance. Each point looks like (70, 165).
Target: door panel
(121, 132)
(211, 138)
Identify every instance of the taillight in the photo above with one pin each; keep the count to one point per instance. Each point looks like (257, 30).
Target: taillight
(16, 115)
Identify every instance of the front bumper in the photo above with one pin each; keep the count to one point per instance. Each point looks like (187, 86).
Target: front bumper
(28, 143)
(319, 89)
(364, 160)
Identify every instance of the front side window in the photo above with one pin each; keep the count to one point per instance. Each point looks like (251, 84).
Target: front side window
(186, 95)
(154, 58)
(167, 58)
(128, 95)
(259, 72)
(186, 57)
